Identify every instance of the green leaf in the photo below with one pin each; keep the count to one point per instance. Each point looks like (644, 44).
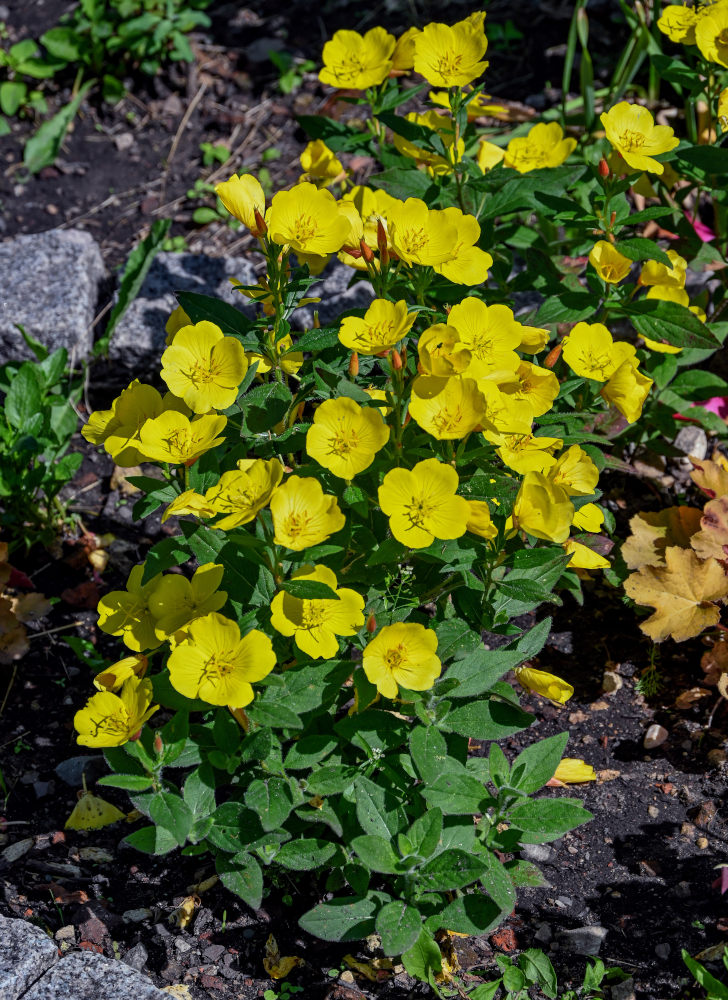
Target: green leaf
(452, 869)
(132, 782)
(314, 341)
(62, 43)
(331, 779)
(710, 159)
(12, 95)
(307, 854)
(24, 396)
(199, 791)
(275, 715)
(639, 248)
(423, 959)
(544, 820)
(307, 751)
(373, 730)
(402, 182)
(398, 924)
(497, 883)
(471, 914)
(164, 555)
(486, 720)
(38, 349)
(536, 765)
(200, 307)
(669, 322)
(376, 853)
(42, 148)
(337, 136)
(309, 590)
(171, 812)
(455, 638)
(456, 794)
(152, 840)
(242, 875)
(234, 826)
(425, 832)
(271, 800)
(538, 968)
(378, 810)
(429, 752)
(345, 919)
(135, 271)
(265, 406)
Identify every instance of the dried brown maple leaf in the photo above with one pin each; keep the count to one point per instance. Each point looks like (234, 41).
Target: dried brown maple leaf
(711, 475)
(712, 539)
(653, 532)
(714, 661)
(682, 592)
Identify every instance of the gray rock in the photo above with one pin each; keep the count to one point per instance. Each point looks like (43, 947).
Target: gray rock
(88, 976)
(693, 441)
(623, 990)
(583, 940)
(136, 957)
(73, 769)
(25, 954)
(538, 853)
(138, 341)
(662, 950)
(50, 284)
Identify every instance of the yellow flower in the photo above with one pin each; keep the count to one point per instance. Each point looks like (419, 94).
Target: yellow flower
(466, 264)
(188, 502)
(213, 663)
(479, 520)
(289, 362)
(575, 472)
(403, 655)
(403, 57)
(177, 319)
(543, 683)
(244, 491)
(582, 557)
(118, 428)
(421, 236)
(478, 106)
(525, 453)
(442, 126)
(172, 437)
(320, 164)
(307, 220)
(632, 132)
(204, 367)
(543, 509)
(345, 437)
(127, 613)
(533, 386)
(711, 33)
(654, 273)
(315, 624)
(678, 23)
(492, 336)
(489, 155)
(242, 197)
(177, 601)
(382, 327)
(627, 390)
(533, 339)
(723, 109)
(609, 263)
(450, 56)
(111, 720)
(421, 503)
(572, 770)
(356, 62)
(590, 517)
(590, 351)
(367, 211)
(504, 414)
(544, 145)
(447, 408)
(441, 352)
(111, 678)
(303, 515)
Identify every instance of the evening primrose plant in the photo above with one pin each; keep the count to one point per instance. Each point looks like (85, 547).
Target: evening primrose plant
(361, 502)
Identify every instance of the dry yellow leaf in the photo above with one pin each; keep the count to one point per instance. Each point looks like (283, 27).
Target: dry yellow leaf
(711, 475)
(653, 532)
(712, 539)
(178, 991)
(376, 970)
(184, 913)
(92, 813)
(203, 886)
(120, 482)
(682, 593)
(686, 699)
(276, 965)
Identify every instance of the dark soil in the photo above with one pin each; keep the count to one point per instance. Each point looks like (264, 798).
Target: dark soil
(642, 870)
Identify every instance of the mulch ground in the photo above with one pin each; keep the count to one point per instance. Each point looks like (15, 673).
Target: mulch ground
(642, 870)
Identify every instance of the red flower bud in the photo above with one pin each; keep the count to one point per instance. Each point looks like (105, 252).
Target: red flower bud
(354, 365)
(260, 227)
(603, 168)
(366, 251)
(158, 745)
(553, 356)
(371, 624)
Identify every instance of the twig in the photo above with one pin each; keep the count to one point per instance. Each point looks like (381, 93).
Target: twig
(178, 134)
(50, 631)
(9, 688)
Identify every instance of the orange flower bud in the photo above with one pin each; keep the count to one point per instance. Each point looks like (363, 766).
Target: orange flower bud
(366, 251)
(396, 359)
(354, 364)
(260, 227)
(603, 168)
(553, 356)
(371, 624)
(158, 745)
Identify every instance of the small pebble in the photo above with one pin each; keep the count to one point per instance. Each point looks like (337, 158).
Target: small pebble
(653, 811)
(662, 951)
(347, 977)
(702, 843)
(611, 682)
(655, 736)
(67, 933)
